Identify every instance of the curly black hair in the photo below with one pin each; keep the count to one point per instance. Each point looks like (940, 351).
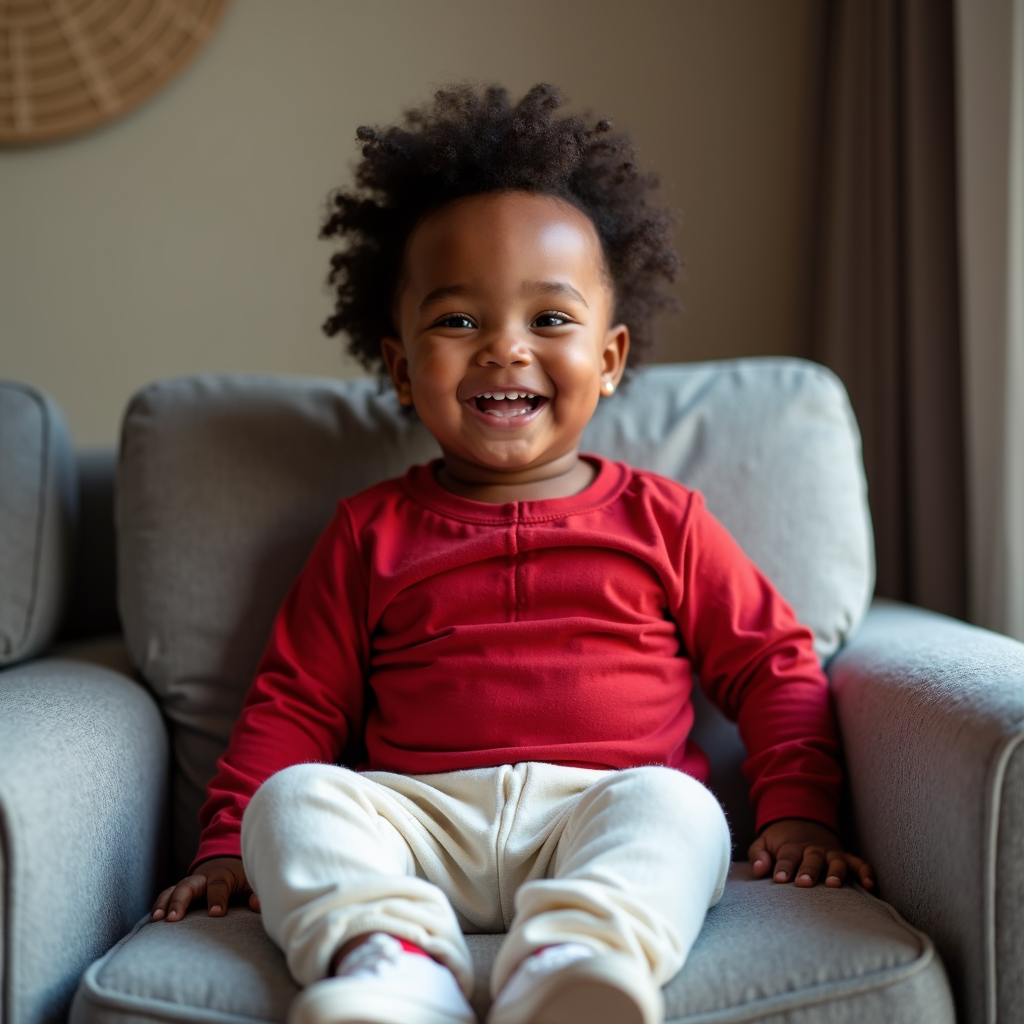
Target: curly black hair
(468, 142)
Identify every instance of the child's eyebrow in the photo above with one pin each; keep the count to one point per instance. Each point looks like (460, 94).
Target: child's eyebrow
(443, 293)
(528, 288)
(554, 287)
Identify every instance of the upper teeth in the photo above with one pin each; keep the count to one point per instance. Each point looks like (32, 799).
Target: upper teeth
(507, 394)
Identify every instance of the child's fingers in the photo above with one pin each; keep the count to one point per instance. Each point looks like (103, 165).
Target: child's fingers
(183, 894)
(218, 892)
(785, 863)
(865, 875)
(760, 859)
(810, 867)
(836, 874)
(254, 902)
(160, 904)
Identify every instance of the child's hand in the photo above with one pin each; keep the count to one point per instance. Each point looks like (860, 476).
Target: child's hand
(220, 878)
(793, 842)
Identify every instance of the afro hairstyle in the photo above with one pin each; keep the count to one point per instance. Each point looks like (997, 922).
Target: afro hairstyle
(470, 142)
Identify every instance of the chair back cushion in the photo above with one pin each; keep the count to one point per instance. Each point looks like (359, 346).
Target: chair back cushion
(224, 483)
(38, 502)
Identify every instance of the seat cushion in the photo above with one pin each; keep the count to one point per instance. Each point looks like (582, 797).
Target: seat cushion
(766, 953)
(38, 500)
(225, 482)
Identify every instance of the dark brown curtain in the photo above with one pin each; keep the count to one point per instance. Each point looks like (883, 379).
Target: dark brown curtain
(886, 306)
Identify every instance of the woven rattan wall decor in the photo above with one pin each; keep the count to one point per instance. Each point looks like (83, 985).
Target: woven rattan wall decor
(70, 65)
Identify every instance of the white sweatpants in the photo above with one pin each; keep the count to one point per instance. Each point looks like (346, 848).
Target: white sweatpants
(625, 861)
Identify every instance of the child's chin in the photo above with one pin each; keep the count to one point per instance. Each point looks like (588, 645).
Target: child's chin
(508, 458)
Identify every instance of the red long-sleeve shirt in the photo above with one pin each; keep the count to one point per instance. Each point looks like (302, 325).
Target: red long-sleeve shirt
(438, 633)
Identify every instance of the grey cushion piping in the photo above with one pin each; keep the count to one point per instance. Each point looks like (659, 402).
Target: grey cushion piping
(995, 789)
(837, 991)
(832, 992)
(6, 1007)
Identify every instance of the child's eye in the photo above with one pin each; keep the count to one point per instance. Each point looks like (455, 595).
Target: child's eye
(550, 320)
(456, 320)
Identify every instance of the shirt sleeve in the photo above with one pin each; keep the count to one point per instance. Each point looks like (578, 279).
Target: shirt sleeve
(307, 698)
(758, 664)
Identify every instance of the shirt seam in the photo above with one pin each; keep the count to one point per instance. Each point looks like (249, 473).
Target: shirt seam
(518, 519)
(515, 570)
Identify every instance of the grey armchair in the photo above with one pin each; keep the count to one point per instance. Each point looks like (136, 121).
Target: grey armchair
(83, 748)
(224, 483)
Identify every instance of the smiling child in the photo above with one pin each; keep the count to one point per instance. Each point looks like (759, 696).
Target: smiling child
(513, 631)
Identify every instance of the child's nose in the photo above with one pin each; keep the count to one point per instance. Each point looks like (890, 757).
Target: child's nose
(506, 347)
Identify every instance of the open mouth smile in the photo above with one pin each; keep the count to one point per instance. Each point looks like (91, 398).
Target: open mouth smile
(507, 404)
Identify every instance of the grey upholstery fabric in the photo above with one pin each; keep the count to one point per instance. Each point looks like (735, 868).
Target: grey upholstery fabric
(932, 718)
(83, 773)
(774, 448)
(223, 486)
(767, 953)
(225, 482)
(37, 520)
(1008, 891)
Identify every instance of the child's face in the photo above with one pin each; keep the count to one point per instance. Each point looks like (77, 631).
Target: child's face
(506, 293)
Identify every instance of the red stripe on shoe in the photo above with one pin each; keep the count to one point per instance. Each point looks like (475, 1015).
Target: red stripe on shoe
(411, 947)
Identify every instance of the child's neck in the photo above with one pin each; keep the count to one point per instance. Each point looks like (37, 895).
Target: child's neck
(560, 478)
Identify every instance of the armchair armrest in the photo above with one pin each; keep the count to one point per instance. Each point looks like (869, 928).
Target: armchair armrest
(83, 781)
(931, 712)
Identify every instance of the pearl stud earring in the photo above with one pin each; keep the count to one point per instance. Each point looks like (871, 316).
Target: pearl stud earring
(608, 388)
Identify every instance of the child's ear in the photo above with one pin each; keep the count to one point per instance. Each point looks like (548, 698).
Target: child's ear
(395, 360)
(613, 358)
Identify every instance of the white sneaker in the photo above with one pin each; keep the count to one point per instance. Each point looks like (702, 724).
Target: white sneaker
(572, 984)
(381, 983)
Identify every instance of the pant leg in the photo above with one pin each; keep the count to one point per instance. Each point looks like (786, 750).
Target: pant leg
(643, 855)
(323, 848)
(486, 831)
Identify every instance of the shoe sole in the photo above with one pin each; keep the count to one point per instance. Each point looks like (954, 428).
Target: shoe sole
(591, 991)
(366, 1008)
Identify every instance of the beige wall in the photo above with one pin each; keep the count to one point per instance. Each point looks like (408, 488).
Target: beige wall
(182, 238)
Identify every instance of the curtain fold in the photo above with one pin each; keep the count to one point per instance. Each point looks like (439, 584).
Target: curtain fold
(886, 311)
(990, 58)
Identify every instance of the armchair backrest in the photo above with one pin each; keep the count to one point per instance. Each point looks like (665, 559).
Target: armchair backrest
(38, 519)
(224, 483)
